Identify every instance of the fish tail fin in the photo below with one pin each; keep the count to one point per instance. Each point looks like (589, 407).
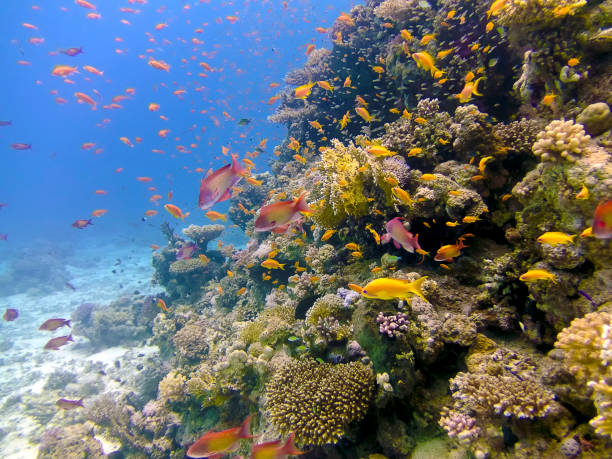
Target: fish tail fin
(289, 447)
(69, 338)
(245, 428)
(475, 87)
(415, 286)
(301, 205)
(90, 222)
(67, 323)
(238, 168)
(461, 244)
(554, 280)
(573, 236)
(282, 266)
(80, 402)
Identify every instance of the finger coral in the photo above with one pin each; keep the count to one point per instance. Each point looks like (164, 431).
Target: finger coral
(561, 140)
(318, 401)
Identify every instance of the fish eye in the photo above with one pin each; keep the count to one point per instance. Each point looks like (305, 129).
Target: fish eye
(364, 291)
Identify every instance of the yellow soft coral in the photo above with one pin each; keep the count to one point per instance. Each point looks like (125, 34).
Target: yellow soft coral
(349, 176)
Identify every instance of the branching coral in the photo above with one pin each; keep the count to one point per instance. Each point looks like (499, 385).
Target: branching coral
(587, 346)
(561, 140)
(318, 401)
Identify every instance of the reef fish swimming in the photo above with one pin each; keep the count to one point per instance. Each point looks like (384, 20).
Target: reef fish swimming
(54, 324)
(10, 314)
(387, 288)
(602, 220)
(217, 186)
(401, 236)
(55, 343)
(219, 443)
(281, 214)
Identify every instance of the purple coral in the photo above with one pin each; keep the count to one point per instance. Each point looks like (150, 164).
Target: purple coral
(393, 326)
(459, 425)
(349, 296)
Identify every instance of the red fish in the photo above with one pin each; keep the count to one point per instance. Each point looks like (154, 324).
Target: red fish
(54, 324)
(21, 146)
(602, 220)
(401, 237)
(80, 224)
(219, 443)
(274, 450)
(66, 404)
(10, 315)
(217, 186)
(281, 213)
(55, 343)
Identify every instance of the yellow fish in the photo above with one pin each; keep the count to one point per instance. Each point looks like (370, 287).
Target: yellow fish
(325, 85)
(452, 224)
(406, 35)
(272, 254)
(442, 54)
(427, 38)
(361, 111)
(470, 219)
(583, 193)
(428, 177)
(326, 235)
(214, 215)
(302, 92)
(556, 238)
(387, 288)
(272, 264)
(415, 151)
(402, 195)
(483, 162)
(374, 233)
(352, 246)
(537, 274)
(587, 232)
(379, 150)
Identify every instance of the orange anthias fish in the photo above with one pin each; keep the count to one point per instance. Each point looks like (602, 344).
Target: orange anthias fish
(280, 215)
(274, 450)
(219, 443)
(161, 304)
(175, 211)
(448, 252)
(602, 220)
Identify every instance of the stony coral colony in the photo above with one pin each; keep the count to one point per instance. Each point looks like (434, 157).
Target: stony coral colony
(480, 124)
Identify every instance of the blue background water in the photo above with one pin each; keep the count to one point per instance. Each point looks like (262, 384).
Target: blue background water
(52, 185)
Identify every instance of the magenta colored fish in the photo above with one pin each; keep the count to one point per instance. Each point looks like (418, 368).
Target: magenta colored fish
(21, 146)
(80, 224)
(10, 314)
(71, 51)
(217, 186)
(5, 123)
(278, 216)
(66, 404)
(186, 251)
(3, 237)
(400, 235)
(54, 324)
(55, 343)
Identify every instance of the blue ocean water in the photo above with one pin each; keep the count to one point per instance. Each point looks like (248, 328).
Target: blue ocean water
(53, 184)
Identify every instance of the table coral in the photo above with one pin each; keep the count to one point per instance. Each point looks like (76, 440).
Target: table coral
(318, 401)
(561, 140)
(202, 235)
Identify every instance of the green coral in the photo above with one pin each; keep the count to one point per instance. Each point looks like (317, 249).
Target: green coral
(324, 307)
(587, 347)
(318, 401)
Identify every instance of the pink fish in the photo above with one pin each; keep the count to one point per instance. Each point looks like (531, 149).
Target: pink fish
(66, 404)
(216, 444)
(21, 146)
(10, 314)
(71, 51)
(55, 343)
(274, 450)
(3, 237)
(401, 237)
(217, 186)
(278, 216)
(54, 324)
(186, 251)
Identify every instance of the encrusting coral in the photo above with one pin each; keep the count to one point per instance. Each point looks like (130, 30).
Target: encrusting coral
(561, 140)
(317, 401)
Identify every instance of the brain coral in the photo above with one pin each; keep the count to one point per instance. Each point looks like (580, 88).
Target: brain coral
(317, 401)
(561, 140)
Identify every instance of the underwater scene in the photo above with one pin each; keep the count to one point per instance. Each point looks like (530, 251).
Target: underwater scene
(330, 229)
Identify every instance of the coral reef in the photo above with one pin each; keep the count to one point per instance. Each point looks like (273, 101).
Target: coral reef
(561, 140)
(318, 401)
